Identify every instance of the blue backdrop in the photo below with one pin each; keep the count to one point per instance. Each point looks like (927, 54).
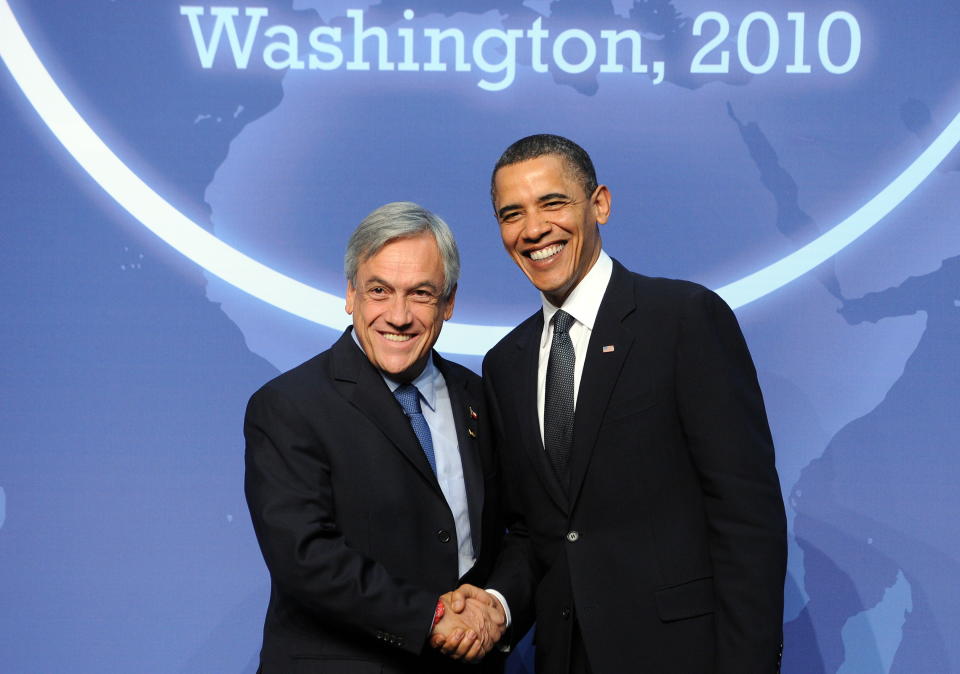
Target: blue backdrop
(176, 189)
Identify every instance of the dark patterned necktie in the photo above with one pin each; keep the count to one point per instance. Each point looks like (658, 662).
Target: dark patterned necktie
(558, 404)
(409, 398)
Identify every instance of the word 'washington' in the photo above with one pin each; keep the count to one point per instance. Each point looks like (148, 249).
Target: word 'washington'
(493, 51)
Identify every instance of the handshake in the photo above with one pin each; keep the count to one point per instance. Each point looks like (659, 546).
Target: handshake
(473, 622)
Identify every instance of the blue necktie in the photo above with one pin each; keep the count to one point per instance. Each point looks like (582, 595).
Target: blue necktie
(409, 398)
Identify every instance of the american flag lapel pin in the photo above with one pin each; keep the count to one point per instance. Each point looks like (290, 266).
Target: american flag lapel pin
(473, 415)
(608, 348)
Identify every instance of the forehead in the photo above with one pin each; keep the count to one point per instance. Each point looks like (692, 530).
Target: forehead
(414, 259)
(538, 176)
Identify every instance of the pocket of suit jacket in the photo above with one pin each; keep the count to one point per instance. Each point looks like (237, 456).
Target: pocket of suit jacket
(686, 600)
(621, 410)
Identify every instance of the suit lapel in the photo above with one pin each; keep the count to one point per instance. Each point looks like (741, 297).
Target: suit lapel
(530, 438)
(461, 402)
(361, 384)
(601, 370)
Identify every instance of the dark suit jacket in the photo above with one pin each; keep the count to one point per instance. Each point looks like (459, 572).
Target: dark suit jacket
(355, 531)
(668, 545)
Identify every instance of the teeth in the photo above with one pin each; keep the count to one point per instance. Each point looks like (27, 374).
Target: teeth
(544, 253)
(393, 337)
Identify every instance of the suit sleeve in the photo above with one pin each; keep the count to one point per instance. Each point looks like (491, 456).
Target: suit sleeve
(516, 573)
(726, 429)
(290, 496)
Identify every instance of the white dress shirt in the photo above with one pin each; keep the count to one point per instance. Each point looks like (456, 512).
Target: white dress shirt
(583, 304)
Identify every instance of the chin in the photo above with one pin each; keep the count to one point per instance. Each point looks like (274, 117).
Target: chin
(399, 369)
(549, 287)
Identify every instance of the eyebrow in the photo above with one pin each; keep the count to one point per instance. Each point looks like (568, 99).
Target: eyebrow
(376, 281)
(425, 284)
(546, 197)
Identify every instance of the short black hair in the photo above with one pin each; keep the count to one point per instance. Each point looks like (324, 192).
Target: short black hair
(543, 144)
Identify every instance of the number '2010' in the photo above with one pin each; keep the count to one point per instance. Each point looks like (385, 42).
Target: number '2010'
(768, 23)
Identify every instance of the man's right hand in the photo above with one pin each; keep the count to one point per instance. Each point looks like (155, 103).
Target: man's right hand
(472, 624)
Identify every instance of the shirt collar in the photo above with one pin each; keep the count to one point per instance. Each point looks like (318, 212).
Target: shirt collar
(583, 302)
(426, 381)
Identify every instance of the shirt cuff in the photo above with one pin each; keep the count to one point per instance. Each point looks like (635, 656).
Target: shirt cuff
(503, 603)
(504, 646)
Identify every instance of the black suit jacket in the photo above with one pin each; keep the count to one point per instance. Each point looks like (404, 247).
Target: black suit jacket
(354, 529)
(668, 546)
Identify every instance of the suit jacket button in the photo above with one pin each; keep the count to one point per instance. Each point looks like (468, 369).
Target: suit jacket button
(573, 536)
(444, 536)
(565, 612)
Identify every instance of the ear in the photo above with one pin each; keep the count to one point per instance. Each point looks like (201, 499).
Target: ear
(448, 304)
(351, 297)
(600, 202)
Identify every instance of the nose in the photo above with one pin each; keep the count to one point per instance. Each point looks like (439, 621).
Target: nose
(536, 226)
(398, 312)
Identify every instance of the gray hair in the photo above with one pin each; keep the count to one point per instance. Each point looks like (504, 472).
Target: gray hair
(400, 220)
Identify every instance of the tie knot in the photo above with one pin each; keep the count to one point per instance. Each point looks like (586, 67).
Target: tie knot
(409, 398)
(562, 322)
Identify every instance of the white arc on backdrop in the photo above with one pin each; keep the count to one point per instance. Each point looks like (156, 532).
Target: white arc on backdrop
(286, 293)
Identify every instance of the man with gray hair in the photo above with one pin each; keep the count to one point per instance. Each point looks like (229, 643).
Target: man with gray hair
(370, 476)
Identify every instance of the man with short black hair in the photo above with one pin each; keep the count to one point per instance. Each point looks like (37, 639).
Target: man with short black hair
(646, 526)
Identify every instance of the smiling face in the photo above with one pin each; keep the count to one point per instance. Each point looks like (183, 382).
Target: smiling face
(397, 305)
(549, 226)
